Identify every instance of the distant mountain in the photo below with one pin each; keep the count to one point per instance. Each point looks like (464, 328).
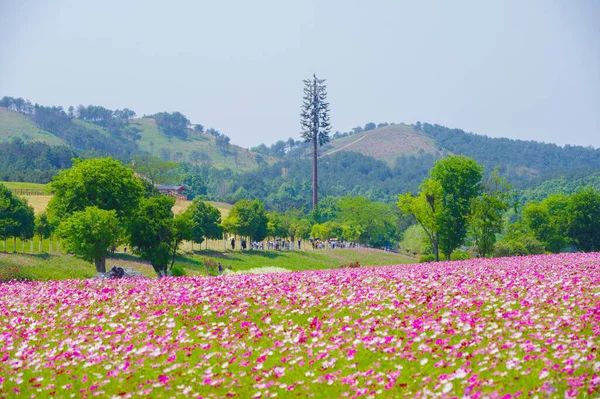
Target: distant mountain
(52, 127)
(525, 163)
(378, 161)
(386, 143)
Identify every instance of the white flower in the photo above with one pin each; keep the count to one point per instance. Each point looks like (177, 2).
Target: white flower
(424, 361)
(447, 387)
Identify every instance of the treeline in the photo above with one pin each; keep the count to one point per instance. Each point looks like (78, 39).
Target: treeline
(99, 204)
(524, 163)
(457, 207)
(288, 183)
(33, 162)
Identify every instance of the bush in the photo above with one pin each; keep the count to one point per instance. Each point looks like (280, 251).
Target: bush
(460, 255)
(13, 273)
(211, 268)
(178, 271)
(350, 265)
(526, 245)
(456, 255)
(427, 258)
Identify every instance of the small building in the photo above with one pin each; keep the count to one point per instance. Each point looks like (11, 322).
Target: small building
(173, 191)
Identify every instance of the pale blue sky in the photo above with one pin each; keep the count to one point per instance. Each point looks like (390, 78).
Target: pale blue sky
(519, 69)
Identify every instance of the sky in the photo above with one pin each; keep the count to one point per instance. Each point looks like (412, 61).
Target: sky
(519, 69)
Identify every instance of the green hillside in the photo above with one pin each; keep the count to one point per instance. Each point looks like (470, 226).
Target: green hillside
(86, 137)
(14, 124)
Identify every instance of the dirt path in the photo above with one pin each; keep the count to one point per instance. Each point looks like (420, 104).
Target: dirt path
(347, 145)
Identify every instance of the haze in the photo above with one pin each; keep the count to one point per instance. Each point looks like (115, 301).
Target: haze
(527, 70)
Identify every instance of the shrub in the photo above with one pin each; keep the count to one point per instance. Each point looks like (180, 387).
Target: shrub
(460, 255)
(211, 268)
(12, 273)
(350, 265)
(427, 258)
(526, 245)
(178, 271)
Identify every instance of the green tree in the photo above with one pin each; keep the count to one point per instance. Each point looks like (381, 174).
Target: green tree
(327, 230)
(584, 219)
(315, 121)
(90, 233)
(195, 185)
(101, 182)
(375, 222)
(427, 209)
(460, 180)
(43, 228)
(247, 219)
(16, 217)
(485, 218)
(548, 221)
(276, 226)
(205, 221)
(154, 169)
(6, 213)
(295, 228)
(152, 233)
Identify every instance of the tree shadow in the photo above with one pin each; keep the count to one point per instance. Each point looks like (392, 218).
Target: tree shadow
(44, 256)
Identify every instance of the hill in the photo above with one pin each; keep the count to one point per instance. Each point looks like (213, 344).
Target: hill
(386, 143)
(42, 140)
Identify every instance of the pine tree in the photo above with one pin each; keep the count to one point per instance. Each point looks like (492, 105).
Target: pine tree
(315, 121)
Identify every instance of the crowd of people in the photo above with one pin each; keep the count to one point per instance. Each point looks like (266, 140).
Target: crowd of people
(279, 244)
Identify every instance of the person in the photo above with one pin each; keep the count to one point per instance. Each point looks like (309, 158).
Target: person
(220, 268)
(243, 244)
(233, 243)
(299, 241)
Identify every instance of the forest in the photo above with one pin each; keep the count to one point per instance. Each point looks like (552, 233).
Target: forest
(284, 180)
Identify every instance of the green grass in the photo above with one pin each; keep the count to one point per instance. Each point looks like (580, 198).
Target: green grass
(153, 141)
(292, 260)
(18, 184)
(58, 266)
(14, 124)
(46, 267)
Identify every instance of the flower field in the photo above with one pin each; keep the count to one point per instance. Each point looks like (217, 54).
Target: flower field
(499, 328)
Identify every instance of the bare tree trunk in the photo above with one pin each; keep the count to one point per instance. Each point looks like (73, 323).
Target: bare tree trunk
(315, 198)
(14, 244)
(100, 264)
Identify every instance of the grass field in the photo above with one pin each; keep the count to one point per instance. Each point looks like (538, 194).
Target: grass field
(293, 260)
(59, 266)
(47, 267)
(23, 185)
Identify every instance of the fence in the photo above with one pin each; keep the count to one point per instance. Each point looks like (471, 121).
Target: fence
(27, 191)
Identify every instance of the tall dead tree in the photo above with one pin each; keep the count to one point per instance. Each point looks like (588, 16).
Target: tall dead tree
(314, 120)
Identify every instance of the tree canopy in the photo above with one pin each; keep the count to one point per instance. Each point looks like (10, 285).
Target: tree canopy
(90, 233)
(101, 182)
